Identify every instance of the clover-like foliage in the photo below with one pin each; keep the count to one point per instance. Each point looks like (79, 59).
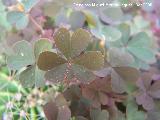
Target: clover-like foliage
(19, 17)
(71, 61)
(97, 91)
(137, 48)
(148, 92)
(24, 59)
(105, 75)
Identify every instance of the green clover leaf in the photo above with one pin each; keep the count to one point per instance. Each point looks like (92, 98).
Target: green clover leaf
(139, 46)
(17, 18)
(22, 56)
(25, 57)
(20, 18)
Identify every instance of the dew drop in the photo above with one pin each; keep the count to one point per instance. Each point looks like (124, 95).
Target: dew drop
(22, 54)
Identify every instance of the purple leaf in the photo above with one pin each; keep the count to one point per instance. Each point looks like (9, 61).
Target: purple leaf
(154, 90)
(148, 91)
(145, 100)
(51, 110)
(97, 91)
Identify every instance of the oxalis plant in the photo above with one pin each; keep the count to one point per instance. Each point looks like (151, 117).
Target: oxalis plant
(92, 87)
(85, 66)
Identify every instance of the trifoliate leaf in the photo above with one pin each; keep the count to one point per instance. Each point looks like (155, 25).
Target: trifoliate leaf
(19, 19)
(96, 91)
(143, 98)
(71, 68)
(148, 93)
(22, 56)
(140, 46)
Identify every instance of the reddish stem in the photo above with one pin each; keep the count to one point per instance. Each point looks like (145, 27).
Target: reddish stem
(36, 24)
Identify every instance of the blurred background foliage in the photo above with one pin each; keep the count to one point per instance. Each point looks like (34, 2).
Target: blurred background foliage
(114, 28)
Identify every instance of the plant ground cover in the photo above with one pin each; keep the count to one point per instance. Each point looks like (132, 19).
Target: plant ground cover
(60, 61)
